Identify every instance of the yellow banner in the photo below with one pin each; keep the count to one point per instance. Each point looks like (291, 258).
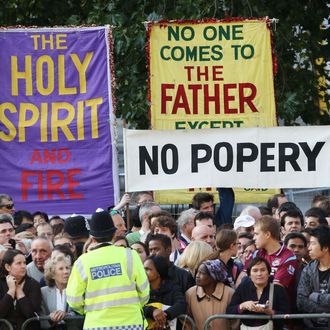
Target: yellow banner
(184, 196)
(211, 74)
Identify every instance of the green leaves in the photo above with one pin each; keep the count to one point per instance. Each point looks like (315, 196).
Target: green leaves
(298, 44)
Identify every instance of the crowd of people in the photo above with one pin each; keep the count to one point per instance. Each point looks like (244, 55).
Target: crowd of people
(147, 271)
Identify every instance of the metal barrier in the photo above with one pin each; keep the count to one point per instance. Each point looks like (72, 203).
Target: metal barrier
(265, 317)
(7, 323)
(46, 318)
(183, 317)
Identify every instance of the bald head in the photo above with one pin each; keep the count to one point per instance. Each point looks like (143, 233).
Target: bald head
(204, 233)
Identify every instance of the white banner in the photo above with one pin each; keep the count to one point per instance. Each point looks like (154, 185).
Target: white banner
(277, 157)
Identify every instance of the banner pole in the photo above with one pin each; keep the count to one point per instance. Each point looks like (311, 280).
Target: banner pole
(128, 216)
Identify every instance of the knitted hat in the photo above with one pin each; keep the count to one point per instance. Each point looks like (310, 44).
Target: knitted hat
(102, 225)
(216, 269)
(76, 226)
(161, 265)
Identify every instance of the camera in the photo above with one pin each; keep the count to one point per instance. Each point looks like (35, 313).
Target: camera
(12, 242)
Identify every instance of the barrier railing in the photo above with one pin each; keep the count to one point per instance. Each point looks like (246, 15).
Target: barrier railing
(265, 317)
(183, 317)
(46, 318)
(7, 323)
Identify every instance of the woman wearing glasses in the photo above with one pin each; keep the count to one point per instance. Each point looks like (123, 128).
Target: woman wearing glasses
(6, 204)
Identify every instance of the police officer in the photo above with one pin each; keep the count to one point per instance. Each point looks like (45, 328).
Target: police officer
(108, 284)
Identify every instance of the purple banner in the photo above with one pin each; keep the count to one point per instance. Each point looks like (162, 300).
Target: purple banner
(57, 152)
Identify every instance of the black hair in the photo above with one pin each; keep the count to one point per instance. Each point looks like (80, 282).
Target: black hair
(163, 239)
(285, 207)
(200, 198)
(8, 259)
(295, 235)
(317, 213)
(105, 239)
(23, 227)
(56, 217)
(136, 222)
(42, 214)
(6, 220)
(293, 213)
(322, 234)
(145, 246)
(264, 210)
(203, 215)
(166, 220)
(245, 234)
(161, 265)
(256, 261)
(119, 238)
(19, 215)
(273, 201)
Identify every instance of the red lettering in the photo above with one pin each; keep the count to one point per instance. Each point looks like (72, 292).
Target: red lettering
(51, 182)
(227, 98)
(165, 97)
(36, 157)
(40, 189)
(72, 183)
(216, 72)
(247, 99)
(201, 73)
(63, 155)
(199, 98)
(189, 69)
(215, 99)
(54, 183)
(181, 101)
(25, 184)
(195, 89)
(50, 156)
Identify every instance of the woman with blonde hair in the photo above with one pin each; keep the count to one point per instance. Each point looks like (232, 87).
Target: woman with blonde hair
(193, 255)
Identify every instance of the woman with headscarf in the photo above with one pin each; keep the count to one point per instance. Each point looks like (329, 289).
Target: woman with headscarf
(166, 300)
(210, 295)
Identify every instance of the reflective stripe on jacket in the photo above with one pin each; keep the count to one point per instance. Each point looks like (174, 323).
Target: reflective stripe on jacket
(109, 285)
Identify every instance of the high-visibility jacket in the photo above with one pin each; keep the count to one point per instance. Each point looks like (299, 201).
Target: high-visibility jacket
(109, 286)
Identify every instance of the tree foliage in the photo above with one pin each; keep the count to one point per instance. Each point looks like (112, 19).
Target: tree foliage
(297, 37)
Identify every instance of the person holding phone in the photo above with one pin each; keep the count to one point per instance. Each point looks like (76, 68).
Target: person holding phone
(253, 296)
(7, 235)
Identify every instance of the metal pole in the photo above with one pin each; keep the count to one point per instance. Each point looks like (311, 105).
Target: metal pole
(7, 323)
(184, 318)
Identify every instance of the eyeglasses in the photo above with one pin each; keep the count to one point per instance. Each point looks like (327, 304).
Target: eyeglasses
(8, 206)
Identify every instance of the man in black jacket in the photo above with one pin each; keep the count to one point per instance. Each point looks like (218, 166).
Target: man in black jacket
(160, 245)
(314, 285)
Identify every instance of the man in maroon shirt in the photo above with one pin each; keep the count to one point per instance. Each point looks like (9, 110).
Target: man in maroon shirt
(282, 261)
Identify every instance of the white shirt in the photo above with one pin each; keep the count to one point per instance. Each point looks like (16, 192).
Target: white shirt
(60, 300)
